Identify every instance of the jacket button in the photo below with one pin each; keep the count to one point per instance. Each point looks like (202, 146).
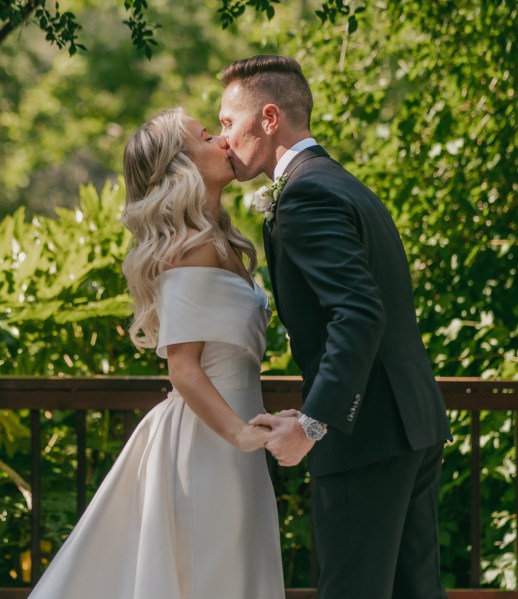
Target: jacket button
(357, 397)
(350, 417)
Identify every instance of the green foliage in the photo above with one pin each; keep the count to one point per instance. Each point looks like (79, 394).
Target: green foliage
(330, 11)
(62, 28)
(141, 32)
(14, 433)
(65, 122)
(429, 126)
(295, 522)
(58, 275)
(230, 10)
(420, 104)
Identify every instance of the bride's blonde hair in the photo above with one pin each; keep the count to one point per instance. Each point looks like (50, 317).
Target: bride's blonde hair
(165, 197)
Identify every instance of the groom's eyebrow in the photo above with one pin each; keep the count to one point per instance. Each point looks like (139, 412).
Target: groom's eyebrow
(202, 133)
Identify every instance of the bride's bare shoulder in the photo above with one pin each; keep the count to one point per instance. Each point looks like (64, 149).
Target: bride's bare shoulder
(201, 255)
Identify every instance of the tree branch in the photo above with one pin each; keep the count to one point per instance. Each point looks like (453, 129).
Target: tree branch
(24, 12)
(23, 486)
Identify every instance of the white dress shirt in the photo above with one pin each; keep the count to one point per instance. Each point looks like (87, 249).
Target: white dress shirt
(290, 154)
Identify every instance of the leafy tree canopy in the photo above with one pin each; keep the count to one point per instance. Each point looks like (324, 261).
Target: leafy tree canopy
(62, 28)
(420, 104)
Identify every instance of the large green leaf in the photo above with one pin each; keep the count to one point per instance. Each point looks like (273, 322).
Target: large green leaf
(119, 307)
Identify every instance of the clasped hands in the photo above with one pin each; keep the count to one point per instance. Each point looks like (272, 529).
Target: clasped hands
(283, 436)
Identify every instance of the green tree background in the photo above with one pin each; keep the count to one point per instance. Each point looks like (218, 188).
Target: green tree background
(419, 102)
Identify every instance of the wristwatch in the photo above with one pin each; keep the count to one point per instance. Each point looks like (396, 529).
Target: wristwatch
(312, 428)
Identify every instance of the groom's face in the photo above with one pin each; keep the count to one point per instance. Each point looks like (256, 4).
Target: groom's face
(242, 125)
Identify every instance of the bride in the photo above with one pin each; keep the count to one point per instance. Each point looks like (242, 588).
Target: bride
(188, 510)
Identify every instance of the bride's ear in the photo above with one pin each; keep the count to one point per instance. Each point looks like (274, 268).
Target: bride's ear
(271, 118)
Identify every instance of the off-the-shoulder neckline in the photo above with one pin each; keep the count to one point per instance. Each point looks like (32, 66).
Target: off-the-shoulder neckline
(213, 268)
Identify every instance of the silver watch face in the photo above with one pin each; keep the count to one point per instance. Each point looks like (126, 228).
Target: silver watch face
(313, 431)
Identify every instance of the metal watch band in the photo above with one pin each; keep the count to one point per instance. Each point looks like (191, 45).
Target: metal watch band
(312, 428)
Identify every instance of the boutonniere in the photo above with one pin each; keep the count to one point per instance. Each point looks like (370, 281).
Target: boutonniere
(266, 198)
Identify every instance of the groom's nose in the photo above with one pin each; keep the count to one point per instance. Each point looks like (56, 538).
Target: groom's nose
(224, 135)
(222, 142)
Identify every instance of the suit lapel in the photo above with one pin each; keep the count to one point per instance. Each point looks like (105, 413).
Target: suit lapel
(270, 256)
(307, 154)
(267, 241)
(300, 158)
(269, 225)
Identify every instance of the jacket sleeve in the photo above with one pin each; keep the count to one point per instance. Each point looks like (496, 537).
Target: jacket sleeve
(320, 233)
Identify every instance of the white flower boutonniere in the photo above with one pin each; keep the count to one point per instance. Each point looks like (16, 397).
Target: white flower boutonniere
(266, 198)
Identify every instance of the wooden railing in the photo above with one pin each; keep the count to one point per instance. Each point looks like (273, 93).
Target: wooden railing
(126, 394)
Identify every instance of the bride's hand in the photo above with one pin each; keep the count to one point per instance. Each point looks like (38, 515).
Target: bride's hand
(250, 438)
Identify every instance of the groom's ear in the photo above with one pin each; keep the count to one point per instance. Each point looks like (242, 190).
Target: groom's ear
(271, 118)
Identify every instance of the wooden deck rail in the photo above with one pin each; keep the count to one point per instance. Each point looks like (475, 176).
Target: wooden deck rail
(126, 394)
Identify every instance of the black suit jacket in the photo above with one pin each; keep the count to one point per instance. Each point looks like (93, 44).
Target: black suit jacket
(342, 287)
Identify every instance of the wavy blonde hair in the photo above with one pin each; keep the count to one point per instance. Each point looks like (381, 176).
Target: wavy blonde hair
(165, 198)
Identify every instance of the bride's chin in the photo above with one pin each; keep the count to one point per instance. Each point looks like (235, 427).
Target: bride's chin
(231, 176)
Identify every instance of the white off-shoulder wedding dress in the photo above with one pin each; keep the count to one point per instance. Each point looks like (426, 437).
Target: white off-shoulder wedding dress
(183, 514)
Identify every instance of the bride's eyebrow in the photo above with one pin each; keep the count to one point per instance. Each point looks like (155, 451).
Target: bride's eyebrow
(202, 132)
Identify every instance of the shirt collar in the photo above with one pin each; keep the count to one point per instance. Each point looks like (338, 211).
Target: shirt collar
(287, 157)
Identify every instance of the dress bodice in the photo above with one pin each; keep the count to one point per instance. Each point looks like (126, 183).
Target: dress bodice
(212, 305)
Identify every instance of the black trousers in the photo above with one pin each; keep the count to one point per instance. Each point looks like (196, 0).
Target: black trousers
(376, 529)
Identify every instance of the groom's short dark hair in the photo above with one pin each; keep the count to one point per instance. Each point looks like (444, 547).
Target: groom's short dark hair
(277, 79)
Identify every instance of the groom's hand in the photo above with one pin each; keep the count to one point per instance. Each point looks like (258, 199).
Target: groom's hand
(288, 443)
(285, 413)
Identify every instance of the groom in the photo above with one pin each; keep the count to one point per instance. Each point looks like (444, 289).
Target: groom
(373, 418)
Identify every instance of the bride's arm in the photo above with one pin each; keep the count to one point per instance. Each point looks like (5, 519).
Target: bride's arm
(197, 390)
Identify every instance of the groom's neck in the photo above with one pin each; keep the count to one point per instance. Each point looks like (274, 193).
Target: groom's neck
(284, 143)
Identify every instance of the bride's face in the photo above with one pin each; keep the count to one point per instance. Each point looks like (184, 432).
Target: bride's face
(209, 153)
